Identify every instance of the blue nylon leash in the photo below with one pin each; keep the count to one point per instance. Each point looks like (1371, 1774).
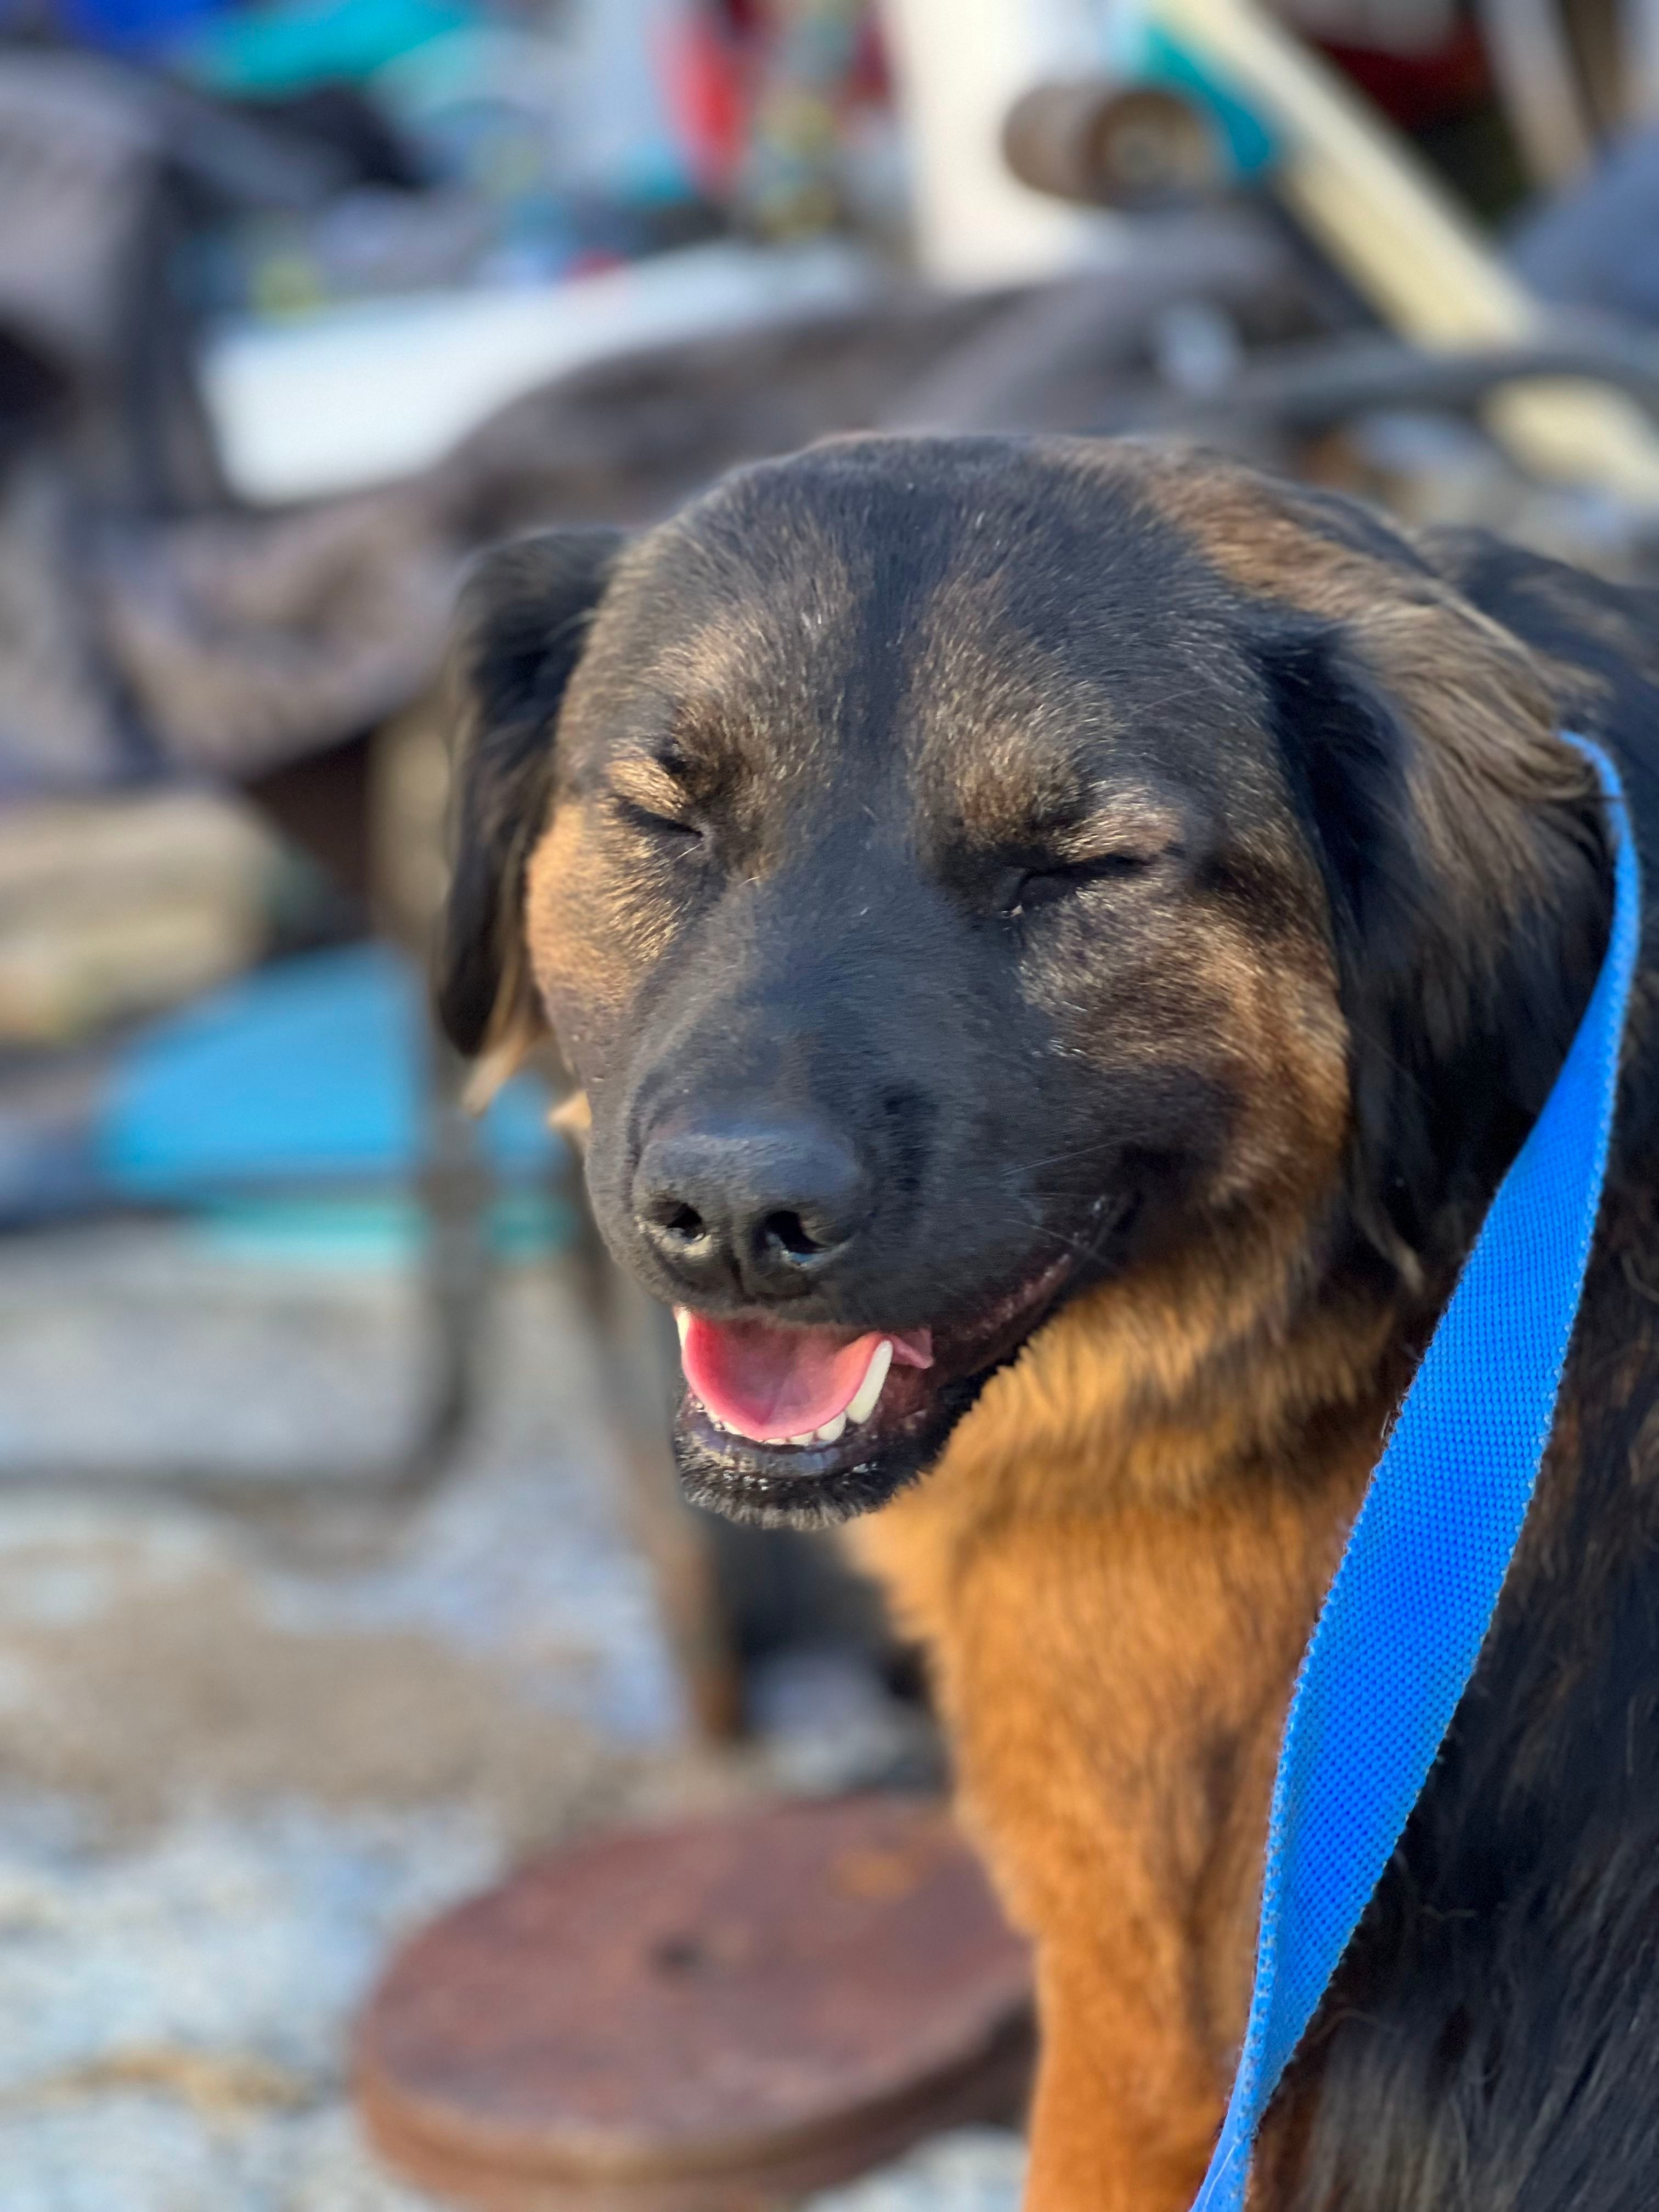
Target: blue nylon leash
(1401, 1629)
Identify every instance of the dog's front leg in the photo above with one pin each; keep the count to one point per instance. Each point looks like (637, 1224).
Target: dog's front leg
(1123, 2120)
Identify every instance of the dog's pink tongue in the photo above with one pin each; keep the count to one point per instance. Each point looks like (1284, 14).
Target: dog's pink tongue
(769, 1383)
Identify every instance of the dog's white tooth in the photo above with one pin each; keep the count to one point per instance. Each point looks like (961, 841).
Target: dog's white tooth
(683, 1322)
(806, 1440)
(875, 1374)
(833, 1432)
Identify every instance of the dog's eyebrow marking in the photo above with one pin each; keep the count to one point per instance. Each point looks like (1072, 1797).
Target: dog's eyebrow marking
(649, 780)
(1007, 791)
(670, 760)
(1133, 824)
(1057, 808)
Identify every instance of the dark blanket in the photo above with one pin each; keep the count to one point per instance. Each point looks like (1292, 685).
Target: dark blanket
(149, 625)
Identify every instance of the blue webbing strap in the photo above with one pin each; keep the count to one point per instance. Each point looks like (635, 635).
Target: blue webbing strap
(1402, 1626)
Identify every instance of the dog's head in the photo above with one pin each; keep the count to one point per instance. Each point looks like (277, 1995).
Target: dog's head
(963, 872)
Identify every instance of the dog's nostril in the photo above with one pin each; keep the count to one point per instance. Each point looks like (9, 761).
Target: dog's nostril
(787, 1232)
(762, 1207)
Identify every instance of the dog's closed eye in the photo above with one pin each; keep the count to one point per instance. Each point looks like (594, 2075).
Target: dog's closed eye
(655, 824)
(1059, 879)
(654, 796)
(1081, 841)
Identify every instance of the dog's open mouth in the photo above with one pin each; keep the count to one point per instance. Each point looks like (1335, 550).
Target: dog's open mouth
(803, 1426)
(796, 1386)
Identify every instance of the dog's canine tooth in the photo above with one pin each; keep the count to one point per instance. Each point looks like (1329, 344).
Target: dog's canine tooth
(875, 1374)
(833, 1432)
(683, 1323)
(808, 1438)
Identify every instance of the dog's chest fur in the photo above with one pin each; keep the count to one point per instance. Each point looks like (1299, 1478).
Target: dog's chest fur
(1114, 1602)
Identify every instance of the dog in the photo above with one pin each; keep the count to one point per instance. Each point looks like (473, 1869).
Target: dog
(1058, 941)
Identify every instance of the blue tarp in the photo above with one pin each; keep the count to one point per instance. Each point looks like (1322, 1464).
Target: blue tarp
(307, 1073)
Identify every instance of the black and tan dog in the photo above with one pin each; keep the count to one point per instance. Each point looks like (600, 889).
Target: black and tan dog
(1060, 942)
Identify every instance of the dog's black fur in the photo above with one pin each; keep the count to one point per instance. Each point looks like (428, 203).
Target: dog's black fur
(1493, 2039)
(949, 978)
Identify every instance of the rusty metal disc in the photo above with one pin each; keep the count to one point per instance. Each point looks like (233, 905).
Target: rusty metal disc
(701, 2018)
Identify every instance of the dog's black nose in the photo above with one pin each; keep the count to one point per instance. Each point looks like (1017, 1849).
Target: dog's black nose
(763, 1206)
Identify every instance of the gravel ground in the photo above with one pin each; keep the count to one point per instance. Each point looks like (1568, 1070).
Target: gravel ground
(236, 1765)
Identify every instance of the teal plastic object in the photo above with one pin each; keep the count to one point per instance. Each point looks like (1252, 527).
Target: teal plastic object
(300, 44)
(306, 1073)
(1147, 53)
(351, 1231)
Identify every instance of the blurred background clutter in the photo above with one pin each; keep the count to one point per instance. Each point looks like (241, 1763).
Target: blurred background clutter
(341, 1566)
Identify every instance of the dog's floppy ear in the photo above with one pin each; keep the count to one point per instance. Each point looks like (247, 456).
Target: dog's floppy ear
(1464, 853)
(522, 622)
